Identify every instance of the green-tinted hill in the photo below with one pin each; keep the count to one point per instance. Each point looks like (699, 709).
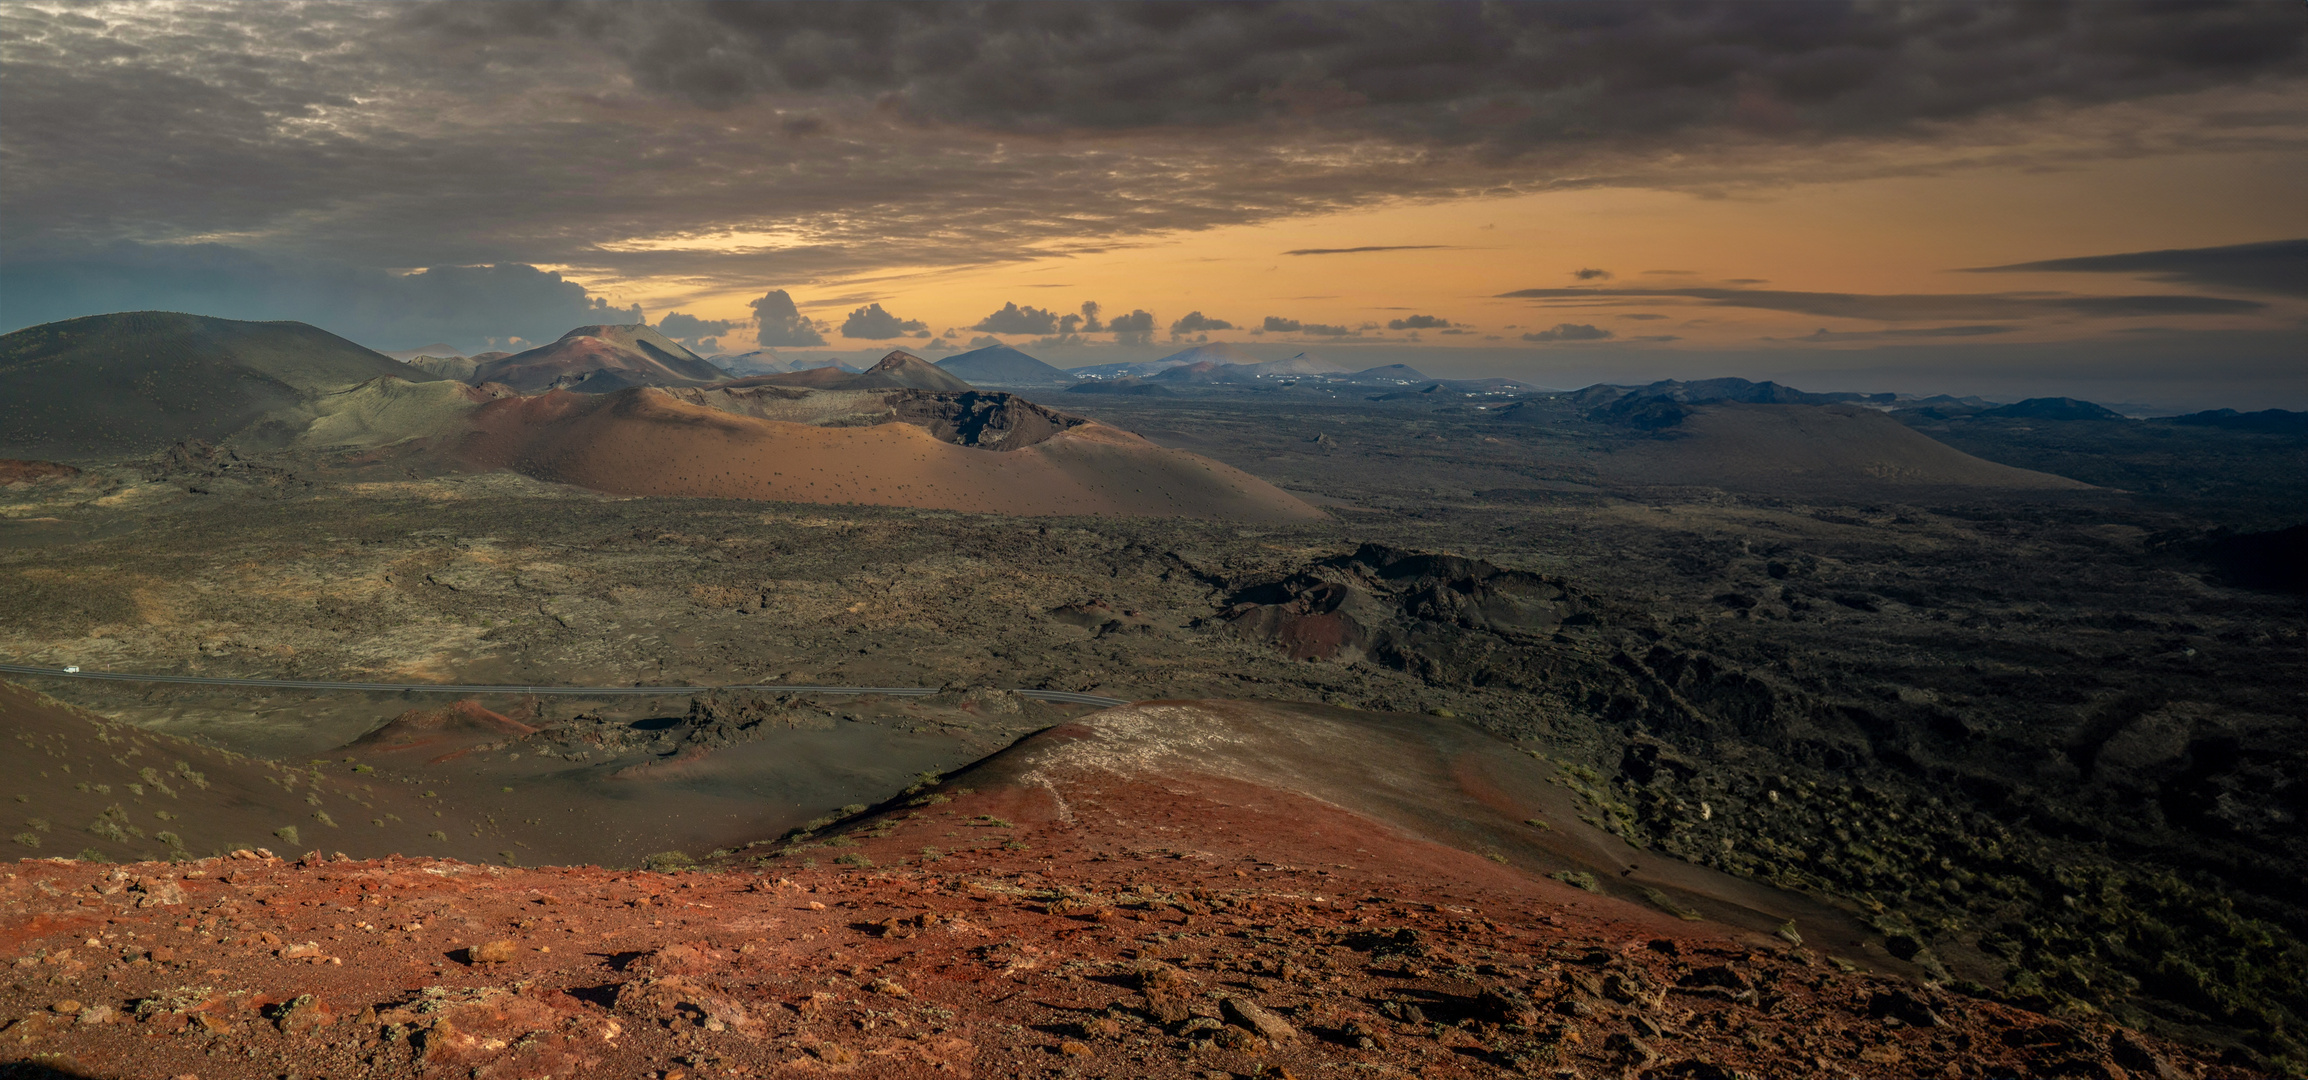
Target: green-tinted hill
(131, 383)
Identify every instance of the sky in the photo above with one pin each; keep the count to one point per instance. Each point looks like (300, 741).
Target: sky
(2100, 199)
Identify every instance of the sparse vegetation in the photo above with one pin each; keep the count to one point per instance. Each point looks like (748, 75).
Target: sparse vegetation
(113, 825)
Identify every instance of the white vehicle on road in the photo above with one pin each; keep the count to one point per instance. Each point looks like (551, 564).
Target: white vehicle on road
(72, 669)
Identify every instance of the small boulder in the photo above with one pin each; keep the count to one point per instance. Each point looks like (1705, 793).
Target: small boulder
(1167, 991)
(303, 1015)
(1250, 1014)
(500, 951)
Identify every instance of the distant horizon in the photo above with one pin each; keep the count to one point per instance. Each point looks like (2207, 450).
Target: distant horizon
(1440, 364)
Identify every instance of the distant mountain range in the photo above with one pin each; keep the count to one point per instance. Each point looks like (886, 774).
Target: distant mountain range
(768, 362)
(899, 370)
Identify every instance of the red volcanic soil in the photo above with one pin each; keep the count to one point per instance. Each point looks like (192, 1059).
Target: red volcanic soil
(443, 733)
(15, 471)
(1090, 903)
(643, 441)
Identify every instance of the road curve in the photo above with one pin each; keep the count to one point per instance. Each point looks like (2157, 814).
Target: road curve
(1062, 696)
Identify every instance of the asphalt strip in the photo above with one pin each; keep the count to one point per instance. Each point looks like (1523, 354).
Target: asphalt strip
(1063, 696)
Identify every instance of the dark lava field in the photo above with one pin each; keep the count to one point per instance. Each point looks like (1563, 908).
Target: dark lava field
(2044, 742)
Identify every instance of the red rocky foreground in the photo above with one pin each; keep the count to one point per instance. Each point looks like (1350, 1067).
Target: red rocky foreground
(1090, 903)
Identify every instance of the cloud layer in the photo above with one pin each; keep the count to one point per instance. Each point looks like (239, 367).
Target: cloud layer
(731, 145)
(1919, 306)
(2277, 266)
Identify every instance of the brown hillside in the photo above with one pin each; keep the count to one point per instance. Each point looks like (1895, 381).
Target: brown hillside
(599, 359)
(646, 442)
(14, 471)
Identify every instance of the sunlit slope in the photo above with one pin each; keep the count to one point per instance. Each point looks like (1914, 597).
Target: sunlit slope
(132, 383)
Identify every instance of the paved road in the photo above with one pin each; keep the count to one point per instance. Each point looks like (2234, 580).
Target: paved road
(1064, 696)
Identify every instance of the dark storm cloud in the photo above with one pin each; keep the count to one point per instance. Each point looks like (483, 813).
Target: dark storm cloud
(1136, 328)
(1896, 307)
(1279, 325)
(1195, 322)
(1824, 335)
(689, 329)
(625, 141)
(1360, 250)
(2275, 266)
(1570, 332)
(782, 323)
(471, 307)
(871, 323)
(1455, 72)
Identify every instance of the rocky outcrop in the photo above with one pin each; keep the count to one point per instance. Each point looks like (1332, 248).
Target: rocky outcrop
(1401, 608)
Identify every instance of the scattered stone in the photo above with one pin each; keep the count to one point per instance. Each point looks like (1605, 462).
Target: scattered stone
(1238, 1040)
(303, 1015)
(1506, 1006)
(495, 952)
(1630, 1049)
(1167, 991)
(1101, 1027)
(156, 892)
(1904, 1006)
(1360, 1036)
(1250, 1014)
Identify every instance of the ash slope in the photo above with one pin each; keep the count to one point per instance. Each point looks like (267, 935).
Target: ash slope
(112, 385)
(97, 789)
(1815, 448)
